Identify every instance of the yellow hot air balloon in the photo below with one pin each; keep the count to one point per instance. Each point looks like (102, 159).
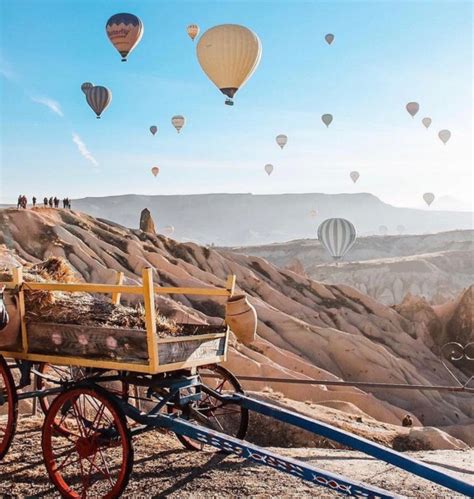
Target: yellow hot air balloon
(155, 170)
(229, 54)
(124, 32)
(193, 31)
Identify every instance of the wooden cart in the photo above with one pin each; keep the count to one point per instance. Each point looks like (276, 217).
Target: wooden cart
(118, 348)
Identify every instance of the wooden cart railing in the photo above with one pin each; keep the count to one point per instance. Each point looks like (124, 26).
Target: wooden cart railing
(147, 290)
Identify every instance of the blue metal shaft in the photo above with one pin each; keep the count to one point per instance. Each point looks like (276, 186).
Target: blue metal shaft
(246, 450)
(359, 443)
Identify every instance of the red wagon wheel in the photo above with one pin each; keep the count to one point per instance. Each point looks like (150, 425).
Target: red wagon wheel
(230, 419)
(95, 457)
(8, 408)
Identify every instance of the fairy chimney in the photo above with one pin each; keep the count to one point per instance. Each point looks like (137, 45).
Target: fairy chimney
(146, 222)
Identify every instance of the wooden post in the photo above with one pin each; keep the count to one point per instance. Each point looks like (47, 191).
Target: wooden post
(118, 282)
(18, 282)
(230, 284)
(150, 317)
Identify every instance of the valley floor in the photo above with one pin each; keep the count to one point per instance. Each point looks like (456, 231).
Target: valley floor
(162, 468)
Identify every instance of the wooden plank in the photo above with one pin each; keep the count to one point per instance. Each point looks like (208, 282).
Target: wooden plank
(150, 316)
(17, 273)
(113, 288)
(60, 360)
(191, 291)
(189, 364)
(125, 345)
(118, 282)
(192, 350)
(177, 339)
(85, 288)
(230, 285)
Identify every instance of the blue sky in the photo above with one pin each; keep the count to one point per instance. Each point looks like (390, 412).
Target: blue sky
(385, 54)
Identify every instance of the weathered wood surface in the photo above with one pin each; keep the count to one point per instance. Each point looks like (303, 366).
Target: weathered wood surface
(122, 345)
(190, 350)
(129, 345)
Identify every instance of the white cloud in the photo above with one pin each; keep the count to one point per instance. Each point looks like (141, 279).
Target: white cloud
(49, 103)
(82, 148)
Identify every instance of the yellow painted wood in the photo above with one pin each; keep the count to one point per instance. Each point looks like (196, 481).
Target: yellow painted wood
(150, 316)
(78, 361)
(191, 291)
(113, 288)
(17, 274)
(118, 282)
(230, 285)
(85, 288)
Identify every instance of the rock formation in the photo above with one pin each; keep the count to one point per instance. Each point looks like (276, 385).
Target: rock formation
(146, 222)
(306, 329)
(435, 266)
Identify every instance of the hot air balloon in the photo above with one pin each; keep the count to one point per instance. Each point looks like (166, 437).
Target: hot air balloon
(155, 170)
(400, 229)
(426, 122)
(269, 168)
(169, 229)
(98, 99)
(193, 31)
(313, 213)
(444, 135)
(281, 140)
(383, 229)
(337, 235)
(124, 31)
(229, 54)
(354, 176)
(428, 197)
(178, 122)
(327, 119)
(86, 86)
(413, 108)
(153, 129)
(329, 38)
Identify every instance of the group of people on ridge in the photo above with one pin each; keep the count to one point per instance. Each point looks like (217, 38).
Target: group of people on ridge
(51, 202)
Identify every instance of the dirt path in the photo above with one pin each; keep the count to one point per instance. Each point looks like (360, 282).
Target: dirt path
(162, 468)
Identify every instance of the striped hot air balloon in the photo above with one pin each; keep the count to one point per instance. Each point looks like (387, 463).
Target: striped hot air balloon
(98, 99)
(337, 235)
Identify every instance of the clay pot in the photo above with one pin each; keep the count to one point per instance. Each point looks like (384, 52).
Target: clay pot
(241, 317)
(10, 337)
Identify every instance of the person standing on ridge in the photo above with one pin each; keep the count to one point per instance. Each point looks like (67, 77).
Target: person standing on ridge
(45, 202)
(34, 201)
(50, 202)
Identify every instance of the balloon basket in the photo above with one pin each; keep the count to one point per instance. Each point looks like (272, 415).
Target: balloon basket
(229, 102)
